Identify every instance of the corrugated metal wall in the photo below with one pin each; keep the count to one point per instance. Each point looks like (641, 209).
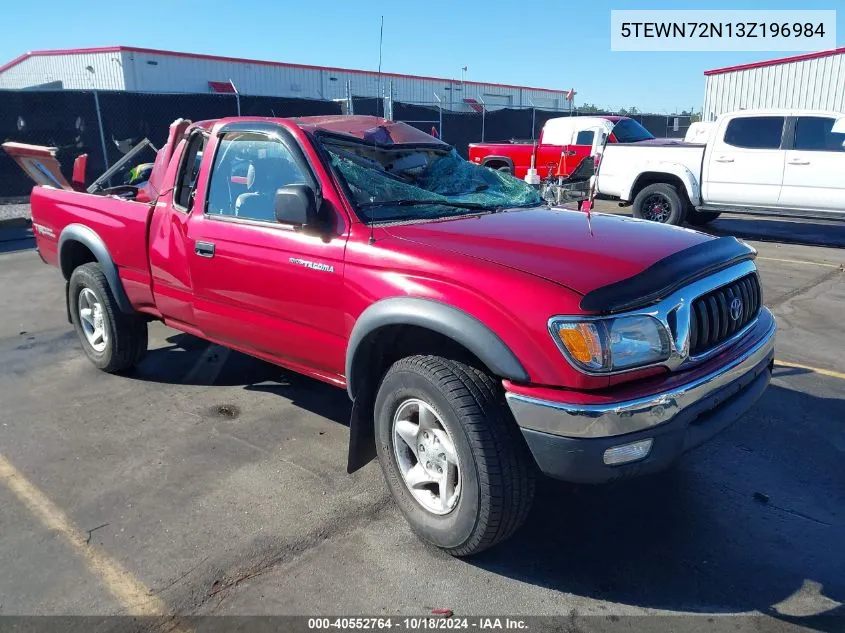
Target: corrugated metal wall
(817, 83)
(143, 71)
(151, 72)
(66, 71)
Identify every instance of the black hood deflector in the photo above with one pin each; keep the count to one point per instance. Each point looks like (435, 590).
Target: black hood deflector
(667, 275)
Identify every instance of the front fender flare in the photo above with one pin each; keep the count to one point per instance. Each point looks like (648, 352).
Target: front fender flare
(438, 317)
(679, 171)
(94, 243)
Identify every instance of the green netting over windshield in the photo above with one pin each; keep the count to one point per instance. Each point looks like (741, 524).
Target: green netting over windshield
(450, 178)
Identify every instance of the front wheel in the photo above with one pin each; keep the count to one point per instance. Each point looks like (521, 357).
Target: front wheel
(452, 454)
(660, 202)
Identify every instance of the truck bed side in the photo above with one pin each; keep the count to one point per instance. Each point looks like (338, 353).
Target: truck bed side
(120, 225)
(517, 156)
(625, 167)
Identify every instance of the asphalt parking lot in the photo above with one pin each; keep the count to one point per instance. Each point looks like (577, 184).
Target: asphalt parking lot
(210, 483)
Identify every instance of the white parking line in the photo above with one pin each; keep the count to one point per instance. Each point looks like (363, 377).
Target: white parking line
(801, 261)
(136, 598)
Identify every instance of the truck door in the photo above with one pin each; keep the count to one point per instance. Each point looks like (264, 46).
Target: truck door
(745, 164)
(814, 174)
(263, 286)
(585, 143)
(169, 247)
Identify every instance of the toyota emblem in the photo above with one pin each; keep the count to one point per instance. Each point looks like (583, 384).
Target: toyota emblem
(736, 308)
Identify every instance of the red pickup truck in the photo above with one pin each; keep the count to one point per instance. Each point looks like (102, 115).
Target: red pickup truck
(482, 336)
(564, 142)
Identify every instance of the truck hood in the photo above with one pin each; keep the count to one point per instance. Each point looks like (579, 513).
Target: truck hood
(580, 251)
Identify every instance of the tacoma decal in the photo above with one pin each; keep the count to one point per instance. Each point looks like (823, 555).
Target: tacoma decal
(326, 268)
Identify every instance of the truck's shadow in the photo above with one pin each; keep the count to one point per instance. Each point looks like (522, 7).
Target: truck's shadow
(172, 364)
(768, 229)
(16, 236)
(754, 519)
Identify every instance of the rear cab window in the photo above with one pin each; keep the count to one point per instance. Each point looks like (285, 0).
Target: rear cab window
(755, 132)
(585, 137)
(189, 169)
(813, 134)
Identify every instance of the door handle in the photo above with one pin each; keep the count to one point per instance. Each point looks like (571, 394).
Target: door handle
(799, 161)
(570, 152)
(724, 159)
(204, 249)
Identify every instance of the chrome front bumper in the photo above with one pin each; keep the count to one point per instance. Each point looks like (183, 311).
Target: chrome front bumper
(620, 418)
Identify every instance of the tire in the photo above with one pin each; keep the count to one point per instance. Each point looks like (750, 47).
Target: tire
(700, 218)
(672, 207)
(123, 341)
(494, 479)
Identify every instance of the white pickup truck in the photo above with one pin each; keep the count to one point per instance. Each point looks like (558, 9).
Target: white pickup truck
(789, 162)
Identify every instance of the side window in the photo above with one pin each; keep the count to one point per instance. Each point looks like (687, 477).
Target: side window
(248, 170)
(585, 137)
(813, 134)
(755, 132)
(186, 181)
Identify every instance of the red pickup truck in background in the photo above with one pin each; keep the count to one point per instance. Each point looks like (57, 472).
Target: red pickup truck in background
(481, 335)
(564, 142)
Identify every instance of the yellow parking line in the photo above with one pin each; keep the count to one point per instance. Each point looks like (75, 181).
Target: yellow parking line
(801, 261)
(816, 370)
(135, 597)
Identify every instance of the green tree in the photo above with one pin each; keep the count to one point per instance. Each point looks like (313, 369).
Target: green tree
(589, 108)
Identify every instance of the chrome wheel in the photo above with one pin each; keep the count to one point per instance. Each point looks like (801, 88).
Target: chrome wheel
(657, 208)
(426, 456)
(93, 320)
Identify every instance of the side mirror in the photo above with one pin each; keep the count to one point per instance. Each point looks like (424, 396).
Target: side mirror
(297, 205)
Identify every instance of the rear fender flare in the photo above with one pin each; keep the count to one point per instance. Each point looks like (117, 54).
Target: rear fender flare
(494, 159)
(679, 171)
(88, 238)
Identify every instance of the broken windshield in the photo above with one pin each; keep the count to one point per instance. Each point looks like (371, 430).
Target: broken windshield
(397, 183)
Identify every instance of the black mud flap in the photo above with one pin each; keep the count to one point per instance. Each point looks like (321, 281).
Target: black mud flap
(67, 301)
(362, 440)
(667, 275)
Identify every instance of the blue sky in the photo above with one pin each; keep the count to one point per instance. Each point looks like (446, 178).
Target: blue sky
(553, 44)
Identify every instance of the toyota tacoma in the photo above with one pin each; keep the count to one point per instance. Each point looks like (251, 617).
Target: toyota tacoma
(482, 335)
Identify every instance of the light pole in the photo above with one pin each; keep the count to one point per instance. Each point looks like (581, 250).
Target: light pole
(463, 70)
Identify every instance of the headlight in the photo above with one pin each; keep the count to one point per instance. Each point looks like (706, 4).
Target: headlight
(612, 344)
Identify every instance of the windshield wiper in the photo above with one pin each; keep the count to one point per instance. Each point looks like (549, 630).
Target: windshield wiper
(416, 203)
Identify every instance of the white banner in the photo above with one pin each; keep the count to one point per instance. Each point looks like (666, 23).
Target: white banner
(708, 30)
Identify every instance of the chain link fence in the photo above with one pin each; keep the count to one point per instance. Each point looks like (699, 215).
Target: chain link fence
(106, 124)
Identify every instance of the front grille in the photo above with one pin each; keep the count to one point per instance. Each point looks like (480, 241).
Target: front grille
(712, 318)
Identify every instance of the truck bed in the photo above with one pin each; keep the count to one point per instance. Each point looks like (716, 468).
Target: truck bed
(120, 223)
(619, 160)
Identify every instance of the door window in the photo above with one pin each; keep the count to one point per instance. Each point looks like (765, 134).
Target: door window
(186, 181)
(755, 132)
(813, 134)
(585, 137)
(248, 170)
